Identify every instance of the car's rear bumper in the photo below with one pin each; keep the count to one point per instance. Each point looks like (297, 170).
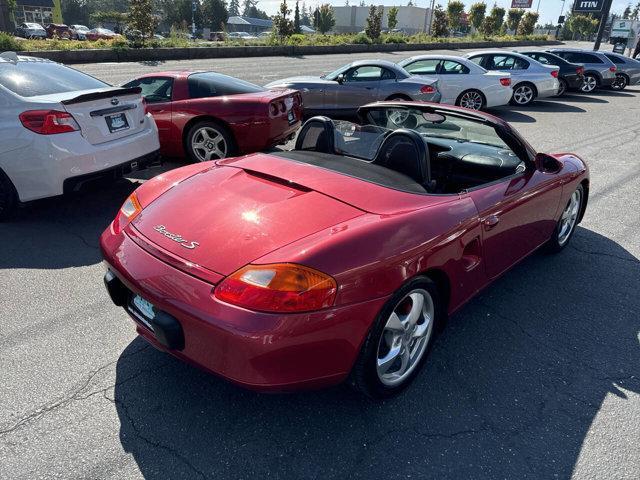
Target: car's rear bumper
(256, 350)
(574, 82)
(607, 82)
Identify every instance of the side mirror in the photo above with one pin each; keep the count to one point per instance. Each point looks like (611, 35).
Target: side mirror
(547, 163)
(340, 78)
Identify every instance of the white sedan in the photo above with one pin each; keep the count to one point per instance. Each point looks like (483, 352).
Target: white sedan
(60, 128)
(461, 82)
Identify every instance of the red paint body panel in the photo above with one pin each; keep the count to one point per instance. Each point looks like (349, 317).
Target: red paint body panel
(245, 115)
(370, 239)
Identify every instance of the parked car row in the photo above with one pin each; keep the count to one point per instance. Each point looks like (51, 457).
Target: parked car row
(55, 30)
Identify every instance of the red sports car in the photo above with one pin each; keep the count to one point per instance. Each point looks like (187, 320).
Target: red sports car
(342, 258)
(208, 116)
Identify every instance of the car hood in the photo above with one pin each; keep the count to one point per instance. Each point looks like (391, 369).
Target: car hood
(226, 217)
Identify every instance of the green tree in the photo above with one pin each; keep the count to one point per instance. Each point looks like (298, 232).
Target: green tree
(374, 23)
(581, 25)
(141, 17)
(440, 25)
(177, 14)
(635, 13)
(75, 12)
(214, 14)
(324, 18)
(392, 18)
(455, 9)
(282, 26)
(493, 22)
(234, 8)
(477, 11)
(527, 24)
(627, 13)
(248, 6)
(296, 19)
(306, 16)
(514, 16)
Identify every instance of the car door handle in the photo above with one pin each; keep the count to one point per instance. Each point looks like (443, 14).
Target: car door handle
(369, 88)
(491, 221)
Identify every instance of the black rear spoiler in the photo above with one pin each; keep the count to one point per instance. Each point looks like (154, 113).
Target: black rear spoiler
(87, 97)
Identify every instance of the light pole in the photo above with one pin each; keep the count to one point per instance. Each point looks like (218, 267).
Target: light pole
(431, 16)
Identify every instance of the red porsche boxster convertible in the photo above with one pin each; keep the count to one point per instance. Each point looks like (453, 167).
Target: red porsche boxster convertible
(208, 116)
(342, 258)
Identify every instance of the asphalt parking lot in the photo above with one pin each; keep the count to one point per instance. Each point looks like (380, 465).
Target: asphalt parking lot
(538, 377)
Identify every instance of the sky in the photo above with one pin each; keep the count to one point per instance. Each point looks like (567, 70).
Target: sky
(549, 9)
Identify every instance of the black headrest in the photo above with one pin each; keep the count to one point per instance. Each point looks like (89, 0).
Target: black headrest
(317, 134)
(406, 152)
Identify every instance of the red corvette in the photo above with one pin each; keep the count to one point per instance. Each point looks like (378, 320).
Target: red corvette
(208, 116)
(342, 258)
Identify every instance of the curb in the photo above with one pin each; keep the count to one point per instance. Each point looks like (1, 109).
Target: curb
(164, 54)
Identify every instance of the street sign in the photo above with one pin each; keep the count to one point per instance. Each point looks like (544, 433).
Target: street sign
(561, 19)
(588, 5)
(521, 3)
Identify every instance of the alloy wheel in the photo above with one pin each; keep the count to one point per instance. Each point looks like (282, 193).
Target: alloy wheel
(523, 94)
(208, 144)
(405, 337)
(620, 83)
(472, 100)
(569, 217)
(589, 84)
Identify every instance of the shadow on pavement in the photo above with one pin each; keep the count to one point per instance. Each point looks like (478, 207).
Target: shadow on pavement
(508, 115)
(582, 98)
(509, 391)
(63, 231)
(550, 105)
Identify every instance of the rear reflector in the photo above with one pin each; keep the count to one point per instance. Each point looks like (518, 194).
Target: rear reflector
(273, 109)
(48, 122)
(554, 73)
(506, 82)
(613, 69)
(427, 89)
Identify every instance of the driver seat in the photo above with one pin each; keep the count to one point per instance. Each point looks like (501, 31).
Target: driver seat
(317, 135)
(405, 151)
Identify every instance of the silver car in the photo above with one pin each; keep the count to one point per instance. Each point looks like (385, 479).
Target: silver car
(530, 79)
(599, 71)
(628, 70)
(31, 30)
(341, 92)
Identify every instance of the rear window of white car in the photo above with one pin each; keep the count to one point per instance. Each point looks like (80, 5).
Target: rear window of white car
(30, 79)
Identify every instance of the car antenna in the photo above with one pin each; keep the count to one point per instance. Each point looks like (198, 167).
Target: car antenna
(10, 57)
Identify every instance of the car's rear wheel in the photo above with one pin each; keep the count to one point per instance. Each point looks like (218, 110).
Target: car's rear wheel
(8, 197)
(472, 99)
(589, 84)
(209, 140)
(620, 82)
(562, 88)
(523, 94)
(398, 343)
(566, 226)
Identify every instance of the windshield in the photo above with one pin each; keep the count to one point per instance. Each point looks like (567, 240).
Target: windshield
(29, 79)
(211, 84)
(440, 125)
(333, 75)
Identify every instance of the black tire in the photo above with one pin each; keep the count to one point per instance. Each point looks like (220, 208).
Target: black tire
(364, 377)
(620, 83)
(554, 244)
(522, 86)
(197, 155)
(590, 83)
(478, 94)
(8, 198)
(563, 87)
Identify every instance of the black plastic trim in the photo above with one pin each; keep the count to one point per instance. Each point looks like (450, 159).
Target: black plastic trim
(88, 97)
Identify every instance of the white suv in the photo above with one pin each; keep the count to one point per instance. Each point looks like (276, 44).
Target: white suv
(60, 127)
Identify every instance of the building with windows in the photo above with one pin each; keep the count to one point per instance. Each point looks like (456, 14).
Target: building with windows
(36, 11)
(353, 19)
(248, 24)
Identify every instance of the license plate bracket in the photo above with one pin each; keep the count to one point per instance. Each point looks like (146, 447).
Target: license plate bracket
(144, 310)
(291, 117)
(117, 122)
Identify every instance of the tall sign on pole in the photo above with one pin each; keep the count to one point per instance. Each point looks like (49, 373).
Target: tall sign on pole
(595, 6)
(522, 3)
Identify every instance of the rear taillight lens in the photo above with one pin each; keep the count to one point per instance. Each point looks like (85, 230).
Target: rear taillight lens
(613, 68)
(505, 82)
(580, 70)
(282, 106)
(130, 209)
(273, 109)
(48, 122)
(144, 106)
(427, 89)
(281, 287)
(554, 73)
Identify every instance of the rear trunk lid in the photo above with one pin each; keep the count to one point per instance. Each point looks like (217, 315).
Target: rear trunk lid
(104, 114)
(225, 217)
